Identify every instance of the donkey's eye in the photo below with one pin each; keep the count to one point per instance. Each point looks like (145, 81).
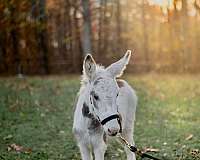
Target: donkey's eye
(117, 94)
(96, 97)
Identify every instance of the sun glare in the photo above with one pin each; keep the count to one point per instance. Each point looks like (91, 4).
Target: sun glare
(158, 2)
(164, 4)
(167, 5)
(161, 3)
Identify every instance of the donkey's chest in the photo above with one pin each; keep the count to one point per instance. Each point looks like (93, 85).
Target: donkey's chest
(94, 126)
(90, 132)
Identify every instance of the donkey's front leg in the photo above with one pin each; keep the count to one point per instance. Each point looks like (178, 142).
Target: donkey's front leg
(99, 152)
(99, 148)
(128, 135)
(85, 151)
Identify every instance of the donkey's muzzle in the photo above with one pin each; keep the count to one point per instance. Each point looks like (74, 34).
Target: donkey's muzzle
(113, 132)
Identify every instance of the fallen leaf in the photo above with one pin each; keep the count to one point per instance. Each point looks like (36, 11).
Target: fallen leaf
(37, 103)
(62, 132)
(120, 150)
(8, 137)
(42, 115)
(14, 106)
(183, 146)
(151, 150)
(189, 137)
(16, 147)
(9, 149)
(165, 143)
(165, 154)
(28, 150)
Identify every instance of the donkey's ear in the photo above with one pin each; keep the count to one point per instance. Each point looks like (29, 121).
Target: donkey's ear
(89, 66)
(116, 69)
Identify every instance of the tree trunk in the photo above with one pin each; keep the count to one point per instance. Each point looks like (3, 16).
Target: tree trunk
(2, 52)
(77, 61)
(42, 33)
(14, 36)
(118, 20)
(145, 37)
(86, 37)
(100, 27)
(184, 33)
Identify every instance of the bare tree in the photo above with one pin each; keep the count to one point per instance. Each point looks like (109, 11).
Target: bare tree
(185, 34)
(145, 35)
(118, 20)
(100, 27)
(42, 34)
(86, 37)
(14, 35)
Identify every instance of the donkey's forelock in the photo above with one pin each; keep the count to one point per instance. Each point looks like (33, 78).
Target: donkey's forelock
(85, 79)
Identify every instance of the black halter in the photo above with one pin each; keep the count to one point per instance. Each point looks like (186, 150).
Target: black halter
(114, 116)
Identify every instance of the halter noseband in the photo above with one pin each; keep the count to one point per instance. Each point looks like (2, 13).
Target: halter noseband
(114, 116)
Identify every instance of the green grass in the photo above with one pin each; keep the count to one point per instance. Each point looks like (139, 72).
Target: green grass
(37, 113)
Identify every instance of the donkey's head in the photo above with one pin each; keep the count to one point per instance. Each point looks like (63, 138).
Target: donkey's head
(103, 91)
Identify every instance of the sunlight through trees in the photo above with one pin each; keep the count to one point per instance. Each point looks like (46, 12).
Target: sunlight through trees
(47, 36)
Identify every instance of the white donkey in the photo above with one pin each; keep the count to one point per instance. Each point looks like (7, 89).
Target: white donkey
(104, 106)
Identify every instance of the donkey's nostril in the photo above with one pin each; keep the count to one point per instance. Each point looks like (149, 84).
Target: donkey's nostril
(109, 131)
(112, 132)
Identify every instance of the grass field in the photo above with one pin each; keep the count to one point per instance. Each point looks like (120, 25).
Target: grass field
(36, 117)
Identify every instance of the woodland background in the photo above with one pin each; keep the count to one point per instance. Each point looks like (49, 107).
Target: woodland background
(52, 36)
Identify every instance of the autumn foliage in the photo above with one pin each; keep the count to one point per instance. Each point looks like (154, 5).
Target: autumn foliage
(46, 36)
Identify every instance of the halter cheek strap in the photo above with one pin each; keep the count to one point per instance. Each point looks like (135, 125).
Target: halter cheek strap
(114, 116)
